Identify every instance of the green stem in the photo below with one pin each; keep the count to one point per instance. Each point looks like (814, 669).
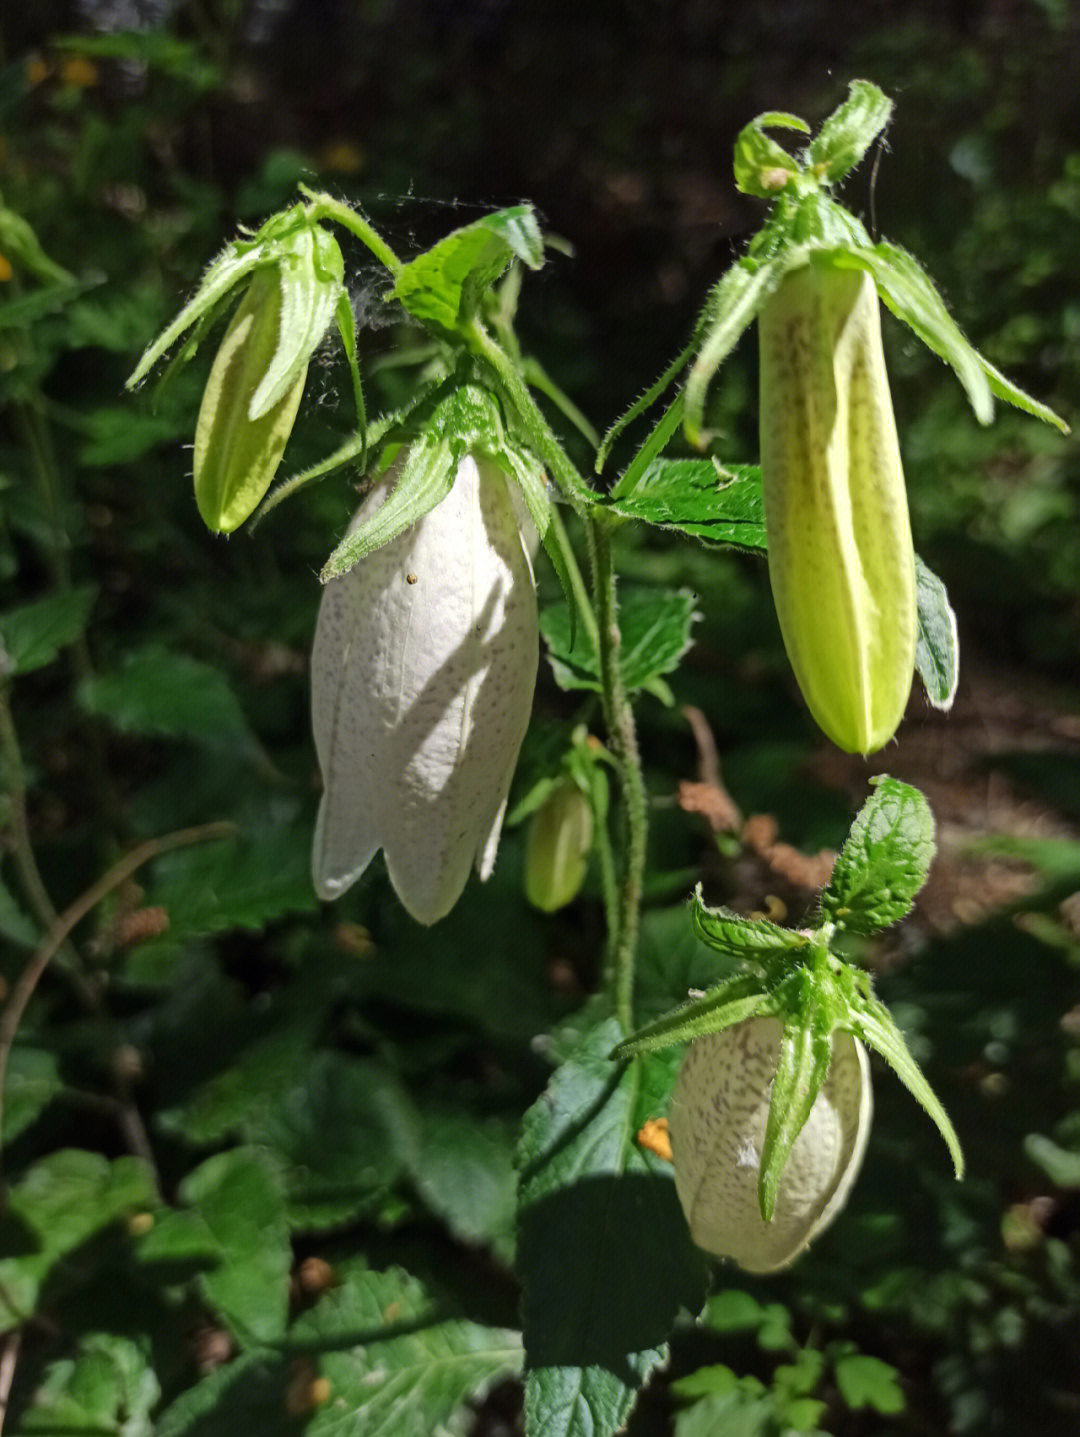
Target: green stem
(326, 207)
(622, 737)
(540, 431)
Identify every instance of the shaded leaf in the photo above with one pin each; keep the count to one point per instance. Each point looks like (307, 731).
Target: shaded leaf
(655, 625)
(937, 647)
(32, 635)
(107, 1387)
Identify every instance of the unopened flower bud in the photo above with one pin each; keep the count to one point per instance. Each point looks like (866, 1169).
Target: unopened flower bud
(557, 848)
(841, 560)
(719, 1111)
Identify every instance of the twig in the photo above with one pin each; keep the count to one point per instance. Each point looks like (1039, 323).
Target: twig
(29, 978)
(8, 1358)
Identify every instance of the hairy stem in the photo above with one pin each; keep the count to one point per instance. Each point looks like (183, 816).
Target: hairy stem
(622, 737)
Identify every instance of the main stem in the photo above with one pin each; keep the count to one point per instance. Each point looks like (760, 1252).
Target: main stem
(622, 737)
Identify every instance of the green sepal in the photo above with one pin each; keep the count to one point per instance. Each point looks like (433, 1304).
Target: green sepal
(849, 132)
(661, 432)
(311, 273)
(884, 861)
(721, 1007)
(753, 940)
(731, 308)
(937, 646)
(222, 276)
(803, 1066)
(528, 474)
(345, 320)
(871, 1021)
(646, 401)
(426, 477)
(444, 286)
(762, 167)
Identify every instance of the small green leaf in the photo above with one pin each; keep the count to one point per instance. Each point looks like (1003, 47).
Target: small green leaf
(749, 939)
(731, 308)
(805, 1054)
(762, 167)
(238, 1195)
(107, 1387)
(868, 1382)
(31, 1082)
(718, 504)
(425, 479)
(655, 625)
(884, 861)
(873, 1023)
(721, 1007)
(32, 635)
(443, 286)
(1060, 1165)
(937, 648)
(849, 131)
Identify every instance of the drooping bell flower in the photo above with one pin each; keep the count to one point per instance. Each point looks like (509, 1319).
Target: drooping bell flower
(423, 673)
(841, 561)
(719, 1112)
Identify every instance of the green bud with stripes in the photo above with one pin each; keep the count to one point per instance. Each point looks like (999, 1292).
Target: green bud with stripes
(257, 379)
(841, 561)
(557, 847)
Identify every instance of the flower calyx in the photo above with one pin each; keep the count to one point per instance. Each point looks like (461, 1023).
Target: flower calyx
(812, 997)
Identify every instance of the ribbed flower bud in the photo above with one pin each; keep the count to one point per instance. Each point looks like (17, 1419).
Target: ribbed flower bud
(423, 672)
(719, 1112)
(557, 848)
(841, 560)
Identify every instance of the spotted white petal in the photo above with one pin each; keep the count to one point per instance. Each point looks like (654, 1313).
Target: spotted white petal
(719, 1110)
(423, 673)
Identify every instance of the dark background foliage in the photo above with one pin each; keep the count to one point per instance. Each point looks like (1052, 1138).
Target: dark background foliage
(360, 1084)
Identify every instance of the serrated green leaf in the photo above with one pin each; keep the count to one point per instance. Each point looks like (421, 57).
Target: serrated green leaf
(655, 625)
(748, 939)
(443, 286)
(171, 695)
(868, 1382)
(937, 646)
(884, 861)
(396, 1362)
(731, 308)
(32, 635)
(239, 1196)
(741, 1413)
(849, 131)
(462, 1167)
(718, 504)
(595, 1321)
(58, 1205)
(721, 1007)
(425, 479)
(341, 1129)
(873, 1023)
(803, 1066)
(107, 1387)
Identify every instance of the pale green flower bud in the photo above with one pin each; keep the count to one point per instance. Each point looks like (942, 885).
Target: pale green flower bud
(841, 560)
(719, 1111)
(557, 848)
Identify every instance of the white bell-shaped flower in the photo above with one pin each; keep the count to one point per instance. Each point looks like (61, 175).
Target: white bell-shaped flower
(719, 1110)
(423, 673)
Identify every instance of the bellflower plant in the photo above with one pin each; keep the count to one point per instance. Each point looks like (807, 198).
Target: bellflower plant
(423, 670)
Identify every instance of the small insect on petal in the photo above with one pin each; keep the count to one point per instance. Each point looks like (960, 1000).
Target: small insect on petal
(719, 1111)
